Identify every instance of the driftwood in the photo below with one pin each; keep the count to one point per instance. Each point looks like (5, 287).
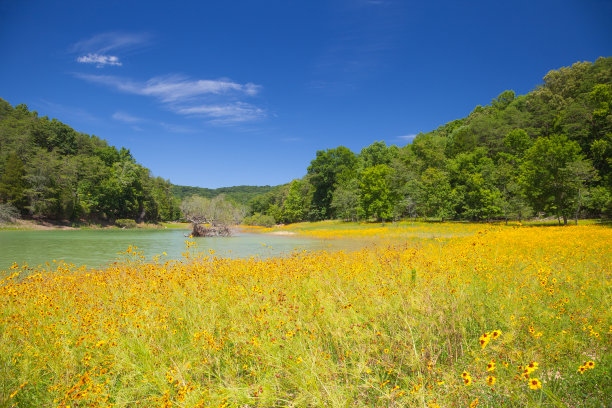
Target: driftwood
(201, 230)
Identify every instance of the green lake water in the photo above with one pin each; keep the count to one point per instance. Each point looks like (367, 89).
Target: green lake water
(96, 248)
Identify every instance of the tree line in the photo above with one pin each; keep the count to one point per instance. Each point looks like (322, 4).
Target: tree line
(50, 171)
(548, 152)
(238, 194)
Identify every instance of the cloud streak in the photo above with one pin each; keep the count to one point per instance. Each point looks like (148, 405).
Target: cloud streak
(173, 88)
(126, 117)
(132, 120)
(408, 138)
(219, 99)
(96, 50)
(225, 114)
(99, 60)
(111, 41)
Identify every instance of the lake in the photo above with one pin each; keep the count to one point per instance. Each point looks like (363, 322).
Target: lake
(97, 248)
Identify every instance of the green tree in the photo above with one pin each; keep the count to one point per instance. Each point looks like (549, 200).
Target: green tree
(324, 172)
(429, 151)
(297, 202)
(378, 153)
(516, 142)
(579, 173)
(481, 200)
(12, 183)
(503, 100)
(375, 192)
(599, 201)
(547, 183)
(507, 180)
(438, 197)
(346, 201)
(42, 181)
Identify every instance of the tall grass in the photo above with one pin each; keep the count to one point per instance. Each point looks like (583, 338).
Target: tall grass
(492, 316)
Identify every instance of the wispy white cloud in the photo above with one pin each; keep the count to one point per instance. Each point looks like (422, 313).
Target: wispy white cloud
(230, 113)
(408, 138)
(95, 50)
(216, 99)
(133, 120)
(174, 88)
(111, 41)
(126, 117)
(99, 60)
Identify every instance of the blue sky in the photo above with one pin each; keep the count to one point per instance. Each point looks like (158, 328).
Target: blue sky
(220, 93)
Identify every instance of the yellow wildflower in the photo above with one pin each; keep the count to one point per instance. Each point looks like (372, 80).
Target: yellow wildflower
(535, 384)
(484, 340)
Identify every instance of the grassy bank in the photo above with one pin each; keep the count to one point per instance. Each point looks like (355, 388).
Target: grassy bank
(454, 316)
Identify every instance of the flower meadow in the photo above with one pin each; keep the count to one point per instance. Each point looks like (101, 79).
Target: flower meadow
(452, 316)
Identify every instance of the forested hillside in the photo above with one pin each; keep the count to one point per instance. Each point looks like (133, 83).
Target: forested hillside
(48, 170)
(548, 152)
(238, 194)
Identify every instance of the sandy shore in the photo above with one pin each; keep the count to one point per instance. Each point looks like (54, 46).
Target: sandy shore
(33, 225)
(46, 225)
(281, 233)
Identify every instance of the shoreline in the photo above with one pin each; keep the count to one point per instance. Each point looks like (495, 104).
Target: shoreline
(33, 225)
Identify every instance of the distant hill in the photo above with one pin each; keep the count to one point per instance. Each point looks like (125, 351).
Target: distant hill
(238, 194)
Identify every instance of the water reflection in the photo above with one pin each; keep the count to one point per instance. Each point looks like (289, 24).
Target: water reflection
(97, 248)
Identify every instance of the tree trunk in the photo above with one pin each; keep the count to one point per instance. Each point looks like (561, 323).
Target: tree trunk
(506, 211)
(141, 217)
(578, 207)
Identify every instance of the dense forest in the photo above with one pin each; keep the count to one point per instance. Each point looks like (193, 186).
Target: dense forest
(237, 194)
(545, 153)
(50, 171)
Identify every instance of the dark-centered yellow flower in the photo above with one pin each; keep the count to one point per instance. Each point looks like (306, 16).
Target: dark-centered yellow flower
(535, 384)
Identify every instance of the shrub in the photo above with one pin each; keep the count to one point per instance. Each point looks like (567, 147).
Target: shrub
(126, 223)
(8, 213)
(263, 220)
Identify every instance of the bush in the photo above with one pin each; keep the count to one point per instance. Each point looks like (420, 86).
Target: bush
(126, 223)
(259, 219)
(8, 213)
